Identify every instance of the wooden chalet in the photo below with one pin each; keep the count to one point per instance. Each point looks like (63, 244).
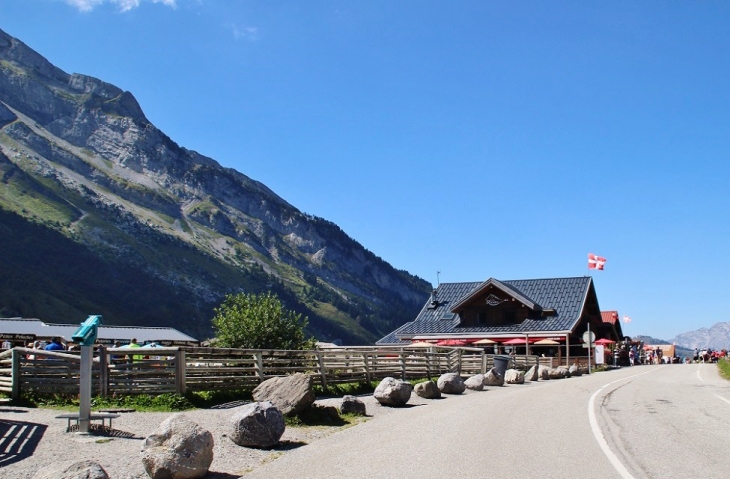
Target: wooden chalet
(534, 316)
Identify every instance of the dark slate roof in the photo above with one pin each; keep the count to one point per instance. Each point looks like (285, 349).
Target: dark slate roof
(564, 295)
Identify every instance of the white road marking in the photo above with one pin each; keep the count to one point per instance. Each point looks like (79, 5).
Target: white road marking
(722, 398)
(613, 459)
(698, 374)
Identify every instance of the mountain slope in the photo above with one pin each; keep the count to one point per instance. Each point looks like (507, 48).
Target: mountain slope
(715, 337)
(78, 156)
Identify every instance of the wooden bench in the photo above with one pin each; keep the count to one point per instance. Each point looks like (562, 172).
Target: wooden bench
(92, 417)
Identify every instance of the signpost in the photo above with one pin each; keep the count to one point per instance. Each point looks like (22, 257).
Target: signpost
(588, 338)
(86, 336)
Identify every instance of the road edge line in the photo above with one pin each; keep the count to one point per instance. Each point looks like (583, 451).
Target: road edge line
(600, 438)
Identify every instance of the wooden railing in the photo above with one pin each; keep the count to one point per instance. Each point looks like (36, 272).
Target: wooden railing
(555, 362)
(185, 369)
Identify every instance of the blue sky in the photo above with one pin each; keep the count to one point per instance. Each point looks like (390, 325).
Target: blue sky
(479, 139)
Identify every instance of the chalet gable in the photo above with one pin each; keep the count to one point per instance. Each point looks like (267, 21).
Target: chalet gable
(493, 293)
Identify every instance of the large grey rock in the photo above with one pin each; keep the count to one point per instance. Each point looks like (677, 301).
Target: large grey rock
(544, 372)
(575, 370)
(290, 394)
(493, 378)
(532, 373)
(178, 449)
(451, 383)
(393, 392)
(259, 424)
(475, 383)
(514, 376)
(428, 390)
(72, 470)
(560, 372)
(352, 405)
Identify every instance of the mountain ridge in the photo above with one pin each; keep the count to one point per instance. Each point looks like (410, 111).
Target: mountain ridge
(79, 156)
(716, 337)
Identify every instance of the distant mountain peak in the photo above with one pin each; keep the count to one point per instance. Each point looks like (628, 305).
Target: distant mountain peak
(715, 337)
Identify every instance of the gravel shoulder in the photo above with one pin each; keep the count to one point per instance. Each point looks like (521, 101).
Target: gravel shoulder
(34, 438)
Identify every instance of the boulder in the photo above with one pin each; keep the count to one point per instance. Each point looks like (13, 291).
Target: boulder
(558, 373)
(513, 376)
(290, 394)
(72, 470)
(179, 448)
(575, 370)
(259, 424)
(532, 373)
(451, 383)
(493, 378)
(475, 383)
(352, 405)
(544, 372)
(428, 390)
(393, 392)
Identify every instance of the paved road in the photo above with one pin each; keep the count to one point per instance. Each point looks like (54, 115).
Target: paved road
(646, 421)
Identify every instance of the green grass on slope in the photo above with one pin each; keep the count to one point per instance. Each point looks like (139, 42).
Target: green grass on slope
(724, 366)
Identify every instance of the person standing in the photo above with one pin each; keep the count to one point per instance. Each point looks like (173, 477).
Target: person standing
(55, 345)
(133, 344)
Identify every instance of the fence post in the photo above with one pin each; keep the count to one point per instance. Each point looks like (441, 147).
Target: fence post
(103, 372)
(16, 375)
(259, 359)
(180, 372)
(402, 358)
(459, 359)
(365, 357)
(484, 362)
(322, 369)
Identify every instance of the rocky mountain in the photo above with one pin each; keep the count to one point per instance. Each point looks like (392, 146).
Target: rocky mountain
(102, 213)
(715, 337)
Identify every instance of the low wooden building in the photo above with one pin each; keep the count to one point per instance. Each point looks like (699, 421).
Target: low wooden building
(22, 331)
(534, 316)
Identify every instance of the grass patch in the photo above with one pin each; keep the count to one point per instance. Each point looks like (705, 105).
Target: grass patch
(352, 389)
(209, 399)
(141, 402)
(723, 366)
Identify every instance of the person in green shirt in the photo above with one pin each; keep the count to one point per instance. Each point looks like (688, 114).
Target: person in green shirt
(133, 344)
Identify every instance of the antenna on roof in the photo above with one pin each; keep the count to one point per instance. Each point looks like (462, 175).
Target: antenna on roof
(438, 278)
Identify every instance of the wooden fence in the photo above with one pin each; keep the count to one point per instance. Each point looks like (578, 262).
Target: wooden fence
(186, 369)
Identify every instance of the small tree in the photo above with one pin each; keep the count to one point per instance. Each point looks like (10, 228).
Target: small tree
(251, 321)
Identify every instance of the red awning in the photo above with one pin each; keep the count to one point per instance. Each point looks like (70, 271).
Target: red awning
(451, 342)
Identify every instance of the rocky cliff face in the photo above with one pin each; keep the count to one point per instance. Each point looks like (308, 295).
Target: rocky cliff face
(716, 337)
(79, 156)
